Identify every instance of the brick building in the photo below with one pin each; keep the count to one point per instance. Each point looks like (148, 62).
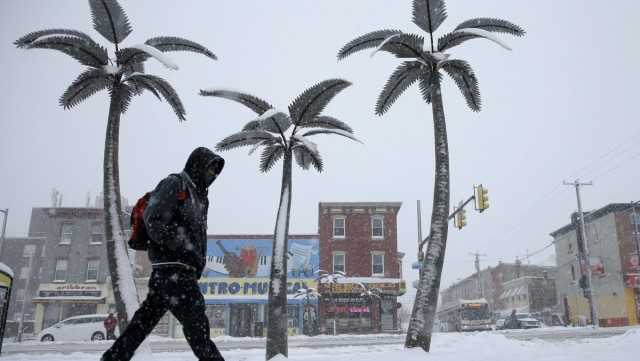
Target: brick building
(494, 282)
(360, 239)
(613, 248)
(73, 277)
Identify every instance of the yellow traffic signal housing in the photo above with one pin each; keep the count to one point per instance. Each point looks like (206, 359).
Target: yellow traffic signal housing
(481, 197)
(461, 218)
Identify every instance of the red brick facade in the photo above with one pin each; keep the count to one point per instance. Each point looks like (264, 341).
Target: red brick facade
(358, 243)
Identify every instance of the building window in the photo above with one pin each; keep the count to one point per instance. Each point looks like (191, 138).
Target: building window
(60, 274)
(92, 270)
(338, 227)
(66, 233)
(20, 295)
(570, 248)
(377, 264)
(29, 250)
(377, 227)
(97, 234)
(338, 262)
(24, 273)
(573, 273)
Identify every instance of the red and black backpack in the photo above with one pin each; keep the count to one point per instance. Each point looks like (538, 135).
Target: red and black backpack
(139, 240)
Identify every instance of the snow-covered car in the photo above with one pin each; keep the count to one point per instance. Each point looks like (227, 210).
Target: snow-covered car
(526, 321)
(77, 328)
(499, 324)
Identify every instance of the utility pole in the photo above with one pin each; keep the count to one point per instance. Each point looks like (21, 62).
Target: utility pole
(4, 227)
(477, 264)
(634, 220)
(585, 254)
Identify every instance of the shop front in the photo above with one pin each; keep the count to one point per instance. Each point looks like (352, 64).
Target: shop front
(344, 306)
(56, 302)
(235, 284)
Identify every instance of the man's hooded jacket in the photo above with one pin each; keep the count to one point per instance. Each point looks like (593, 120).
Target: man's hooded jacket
(176, 214)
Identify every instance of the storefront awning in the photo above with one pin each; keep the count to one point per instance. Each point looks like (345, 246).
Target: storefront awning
(254, 300)
(69, 299)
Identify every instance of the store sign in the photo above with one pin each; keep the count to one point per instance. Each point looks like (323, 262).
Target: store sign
(385, 288)
(70, 290)
(352, 309)
(76, 287)
(237, 287)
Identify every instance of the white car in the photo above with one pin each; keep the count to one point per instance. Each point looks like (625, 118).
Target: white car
(78, 328)
(526, 321)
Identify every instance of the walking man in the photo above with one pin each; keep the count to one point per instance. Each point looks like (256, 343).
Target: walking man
(110, 324)
(175, 219)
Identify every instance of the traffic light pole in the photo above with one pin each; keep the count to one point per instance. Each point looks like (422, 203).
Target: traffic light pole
(586, 258)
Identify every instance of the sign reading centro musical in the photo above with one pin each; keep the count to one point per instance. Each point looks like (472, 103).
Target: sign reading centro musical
(239, 268)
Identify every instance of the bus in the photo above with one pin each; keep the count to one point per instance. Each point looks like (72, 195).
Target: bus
(465, 315)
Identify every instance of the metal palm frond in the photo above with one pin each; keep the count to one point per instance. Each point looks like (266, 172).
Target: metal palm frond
(110, 20)
(270, 156)
(308, 105)
(331, 131)
(250, 101)
(245, 138)
(327, 123)
(401, 79)
(404, 46)
(366, 41)
(306, 154)
(429, 14)
(24, 41)
(460, 71)
(85, 85)
(274, 121)
(492, 25)
(426, 81)
(173, 43)
(163, 88)
(85, 51)
(126, 94)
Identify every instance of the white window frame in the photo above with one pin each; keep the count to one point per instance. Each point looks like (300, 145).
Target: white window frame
(24, 272)
(344, 227)
(344, 262)
(21, 294)
(29, 250)
(96, 227)
(66, 270)
(97, 269)
(373, 256)
(373, 219)
(66, 237)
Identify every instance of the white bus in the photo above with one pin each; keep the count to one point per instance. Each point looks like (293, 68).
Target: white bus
(465, 315)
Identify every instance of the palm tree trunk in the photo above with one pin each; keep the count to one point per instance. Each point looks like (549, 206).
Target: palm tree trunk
(120, 269)
(424, 307)
(277, 335)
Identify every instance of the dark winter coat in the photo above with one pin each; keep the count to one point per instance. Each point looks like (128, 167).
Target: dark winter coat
(176, 214)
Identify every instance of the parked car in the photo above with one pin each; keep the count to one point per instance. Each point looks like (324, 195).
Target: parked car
(526, 321)
(500, 324)
(77, 328)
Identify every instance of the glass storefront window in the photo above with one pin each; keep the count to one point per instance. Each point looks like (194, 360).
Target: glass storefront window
(215, 314)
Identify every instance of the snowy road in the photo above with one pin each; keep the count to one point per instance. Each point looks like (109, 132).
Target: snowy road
(162, 345)
(483, 346)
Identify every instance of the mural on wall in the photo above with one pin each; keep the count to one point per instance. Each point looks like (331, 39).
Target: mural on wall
(251, 258)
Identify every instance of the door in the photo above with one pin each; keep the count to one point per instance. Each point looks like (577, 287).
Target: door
(242, 320)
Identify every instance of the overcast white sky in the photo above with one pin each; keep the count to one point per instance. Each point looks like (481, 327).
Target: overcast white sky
(562, 104)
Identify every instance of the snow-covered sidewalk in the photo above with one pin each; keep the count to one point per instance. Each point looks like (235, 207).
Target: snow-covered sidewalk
(446, 347)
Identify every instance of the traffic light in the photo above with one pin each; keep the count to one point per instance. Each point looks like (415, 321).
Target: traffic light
(481, 195)
(461, 218)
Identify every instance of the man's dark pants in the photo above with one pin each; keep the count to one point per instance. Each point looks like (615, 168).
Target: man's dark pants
(174, 289)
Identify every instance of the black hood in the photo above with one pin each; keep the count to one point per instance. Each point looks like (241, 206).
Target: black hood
(199, 160)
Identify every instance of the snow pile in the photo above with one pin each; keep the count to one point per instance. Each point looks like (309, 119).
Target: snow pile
(445, 347)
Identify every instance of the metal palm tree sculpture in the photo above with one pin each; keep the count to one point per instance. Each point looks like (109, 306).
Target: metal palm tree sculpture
(124, 77)
(424, 65)
(284, 136)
